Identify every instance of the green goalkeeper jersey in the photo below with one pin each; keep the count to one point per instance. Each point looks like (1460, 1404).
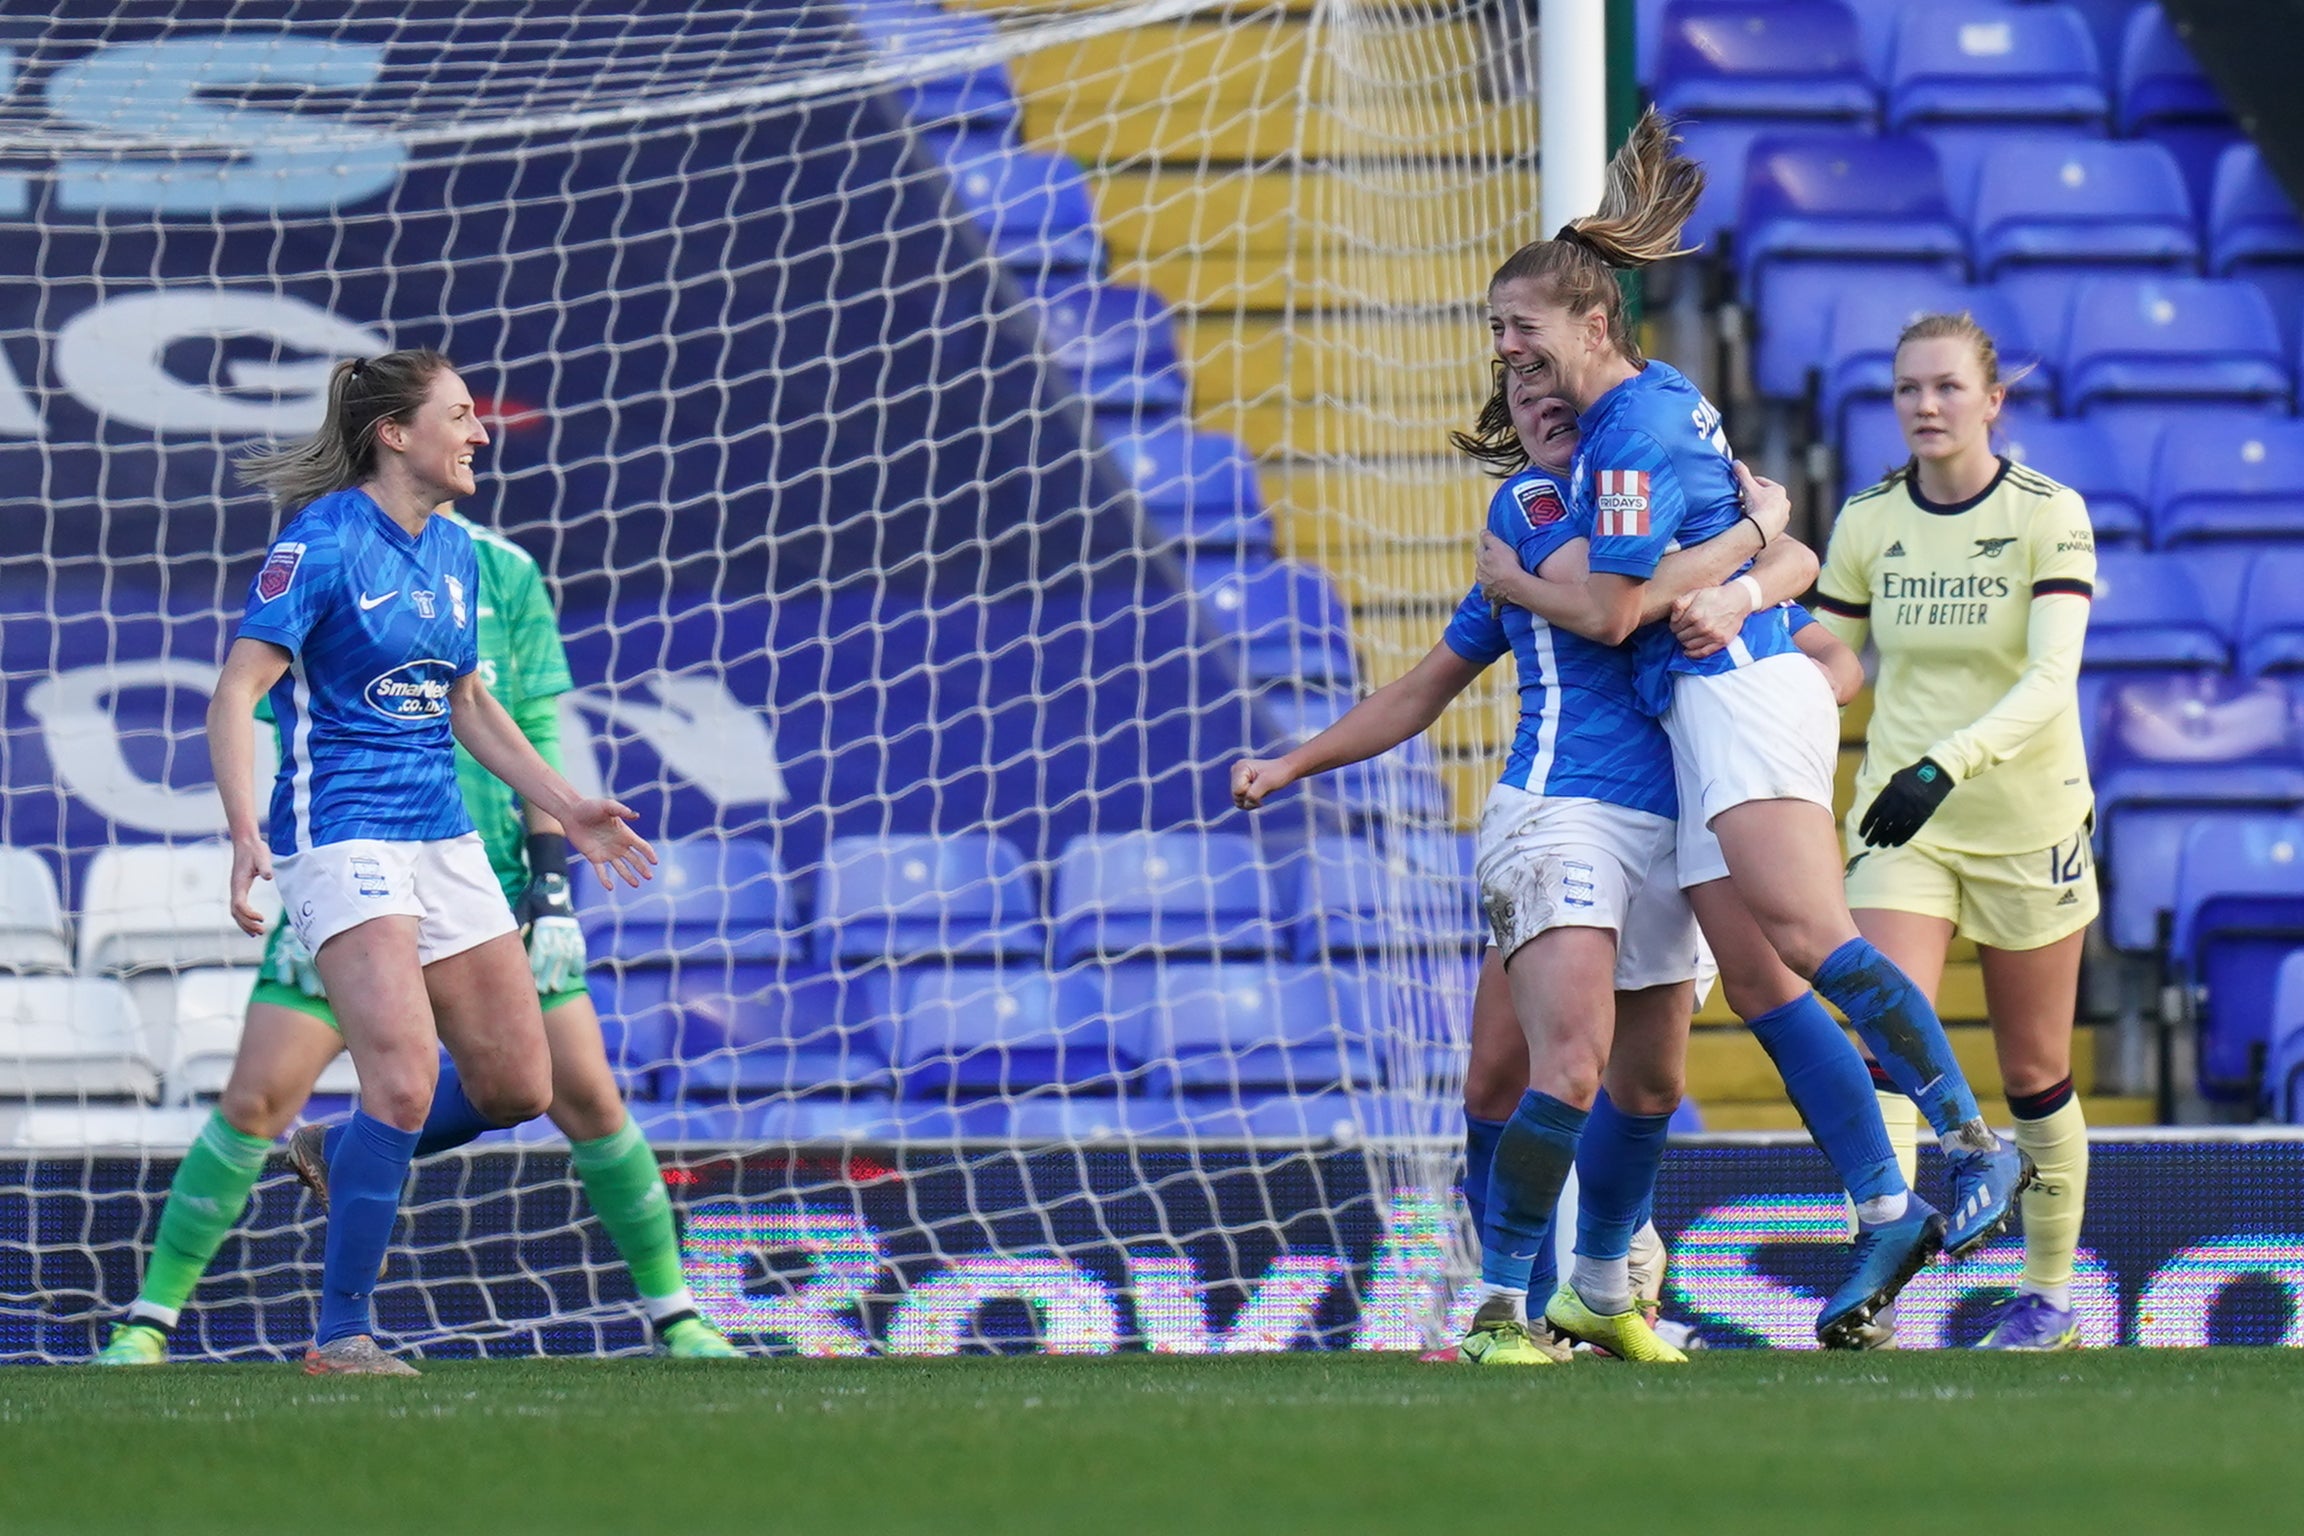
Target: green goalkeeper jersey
(524, 664)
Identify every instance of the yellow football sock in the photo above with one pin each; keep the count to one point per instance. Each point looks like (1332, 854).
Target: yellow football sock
(2057, 1143)
(1902, 1117)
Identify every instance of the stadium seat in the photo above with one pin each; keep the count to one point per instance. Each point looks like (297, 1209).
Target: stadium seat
(1035, 210)
(2167, 98)
(1197, 488)
(2148, 614)
(981, 99)
(1827, 214)
(1402, 787)
(1119, 341)
(1860, 342)
(1204, 1029)
(894, 898)
(2254, 234)
(1168, 893)
(712, 899)
(1968, 75)
(2284, 1071)
(2111, 472)
(72, 1037)
(2230, 481)
(2271, 627)
(1291, 623)
(32, 933)
(1774, 59)
(1001, 1033)
(2047, 213)
(211, 1005)
(154, 906)
(1352, 896)
(1871, 443)
(781, 1032)
(2174, 346)
(1722, 148)
(2239, 910)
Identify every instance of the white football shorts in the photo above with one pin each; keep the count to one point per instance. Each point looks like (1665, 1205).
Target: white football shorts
(447, 886)
(1767, 731)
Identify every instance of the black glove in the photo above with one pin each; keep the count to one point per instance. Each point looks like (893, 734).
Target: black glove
(1905, 804)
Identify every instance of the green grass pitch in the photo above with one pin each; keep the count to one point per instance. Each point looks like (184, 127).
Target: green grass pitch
(2102, 1443)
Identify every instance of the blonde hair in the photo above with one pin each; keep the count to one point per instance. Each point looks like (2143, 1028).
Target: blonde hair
(1951, 327)
(363, 393)
(1649, 194)
(1494, 442)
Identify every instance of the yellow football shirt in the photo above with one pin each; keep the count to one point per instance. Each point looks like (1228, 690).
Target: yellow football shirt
(1948, 594)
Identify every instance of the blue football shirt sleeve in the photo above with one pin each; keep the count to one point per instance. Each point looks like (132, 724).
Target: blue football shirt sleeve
(1637, 504)
(1475, 632)
(294, 587)
(1797, 618)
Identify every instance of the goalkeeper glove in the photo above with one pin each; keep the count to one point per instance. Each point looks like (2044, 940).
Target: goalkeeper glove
(1905, 803)
(547, 914)
(290, 964)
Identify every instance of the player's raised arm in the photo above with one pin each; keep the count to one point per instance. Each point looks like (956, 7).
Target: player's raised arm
(597, 829)
(1403, 707)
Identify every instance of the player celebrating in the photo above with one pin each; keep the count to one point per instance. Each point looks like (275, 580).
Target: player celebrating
(1577, 876)
(1973, 576)
(360, 628)
(1753, 728)
(291, 1032)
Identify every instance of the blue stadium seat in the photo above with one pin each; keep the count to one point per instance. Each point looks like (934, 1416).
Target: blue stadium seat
(1034, 209)
(2148, 614)
(896, 897)
(968, 1034)
(1292, 623)
(1968, 74)
(2048, 212)
(2239, 910)
(783, 1032)
(1870, 444)
(1860, 343)
(2284, 1071)
(2111, 473)
(981, 99)
(1722, 148)
(2238, 480)
(2188, 346)
(1827, 214)
(636, 1021)
(2179, 753)
(1230, 1028)
(1402, 787)
(2254, 233)
(1348, 895)
(2166, 97)
(1197, 488)
(712, 899)
(1170, 893)
(1777, 59)
(1119, 341)
(2271, 628)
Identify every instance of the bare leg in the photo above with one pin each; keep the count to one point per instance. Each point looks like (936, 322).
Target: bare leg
(282, 1053)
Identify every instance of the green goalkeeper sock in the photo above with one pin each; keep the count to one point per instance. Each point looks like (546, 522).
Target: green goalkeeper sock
(626, 1189)
(205, 1201)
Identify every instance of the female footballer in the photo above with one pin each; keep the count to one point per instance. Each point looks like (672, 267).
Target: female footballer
(360, 628)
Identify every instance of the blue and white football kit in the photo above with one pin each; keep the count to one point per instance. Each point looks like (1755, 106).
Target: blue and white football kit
(366, 816)
(1579, 832)
(1752, 721)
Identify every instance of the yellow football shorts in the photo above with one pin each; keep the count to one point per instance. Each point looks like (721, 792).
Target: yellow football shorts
(2002, 900)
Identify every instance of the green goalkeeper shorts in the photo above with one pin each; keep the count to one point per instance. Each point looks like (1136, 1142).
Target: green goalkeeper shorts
(283, 995)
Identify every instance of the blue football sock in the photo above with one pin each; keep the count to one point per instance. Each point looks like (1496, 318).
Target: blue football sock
(1616, 1170)
(1533, 1156)
(451, 1122)
(1479, 1156)
(1826, 1080)
(1900, 1029)
(364, 1178)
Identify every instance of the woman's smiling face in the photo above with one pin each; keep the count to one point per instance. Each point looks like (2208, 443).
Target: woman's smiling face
(1546, 424)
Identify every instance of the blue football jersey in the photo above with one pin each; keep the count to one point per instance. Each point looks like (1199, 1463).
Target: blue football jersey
(1653, 475)
(1580, 732)
(377, 626)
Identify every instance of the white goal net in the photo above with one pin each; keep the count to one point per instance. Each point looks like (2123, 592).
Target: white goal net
(951, 438)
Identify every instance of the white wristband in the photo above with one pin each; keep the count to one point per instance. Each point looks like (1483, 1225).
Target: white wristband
(1751, 588)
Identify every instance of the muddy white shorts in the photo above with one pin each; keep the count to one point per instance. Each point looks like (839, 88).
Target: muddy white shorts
(1550, 862)
(1769, 731)
(446, 886)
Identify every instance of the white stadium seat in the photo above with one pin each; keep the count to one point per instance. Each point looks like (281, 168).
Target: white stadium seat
(156, 907)
(69, 1036)
(210, 1007)
(32, 936)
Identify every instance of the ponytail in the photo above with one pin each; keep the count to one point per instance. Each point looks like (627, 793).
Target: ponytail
(363, 393)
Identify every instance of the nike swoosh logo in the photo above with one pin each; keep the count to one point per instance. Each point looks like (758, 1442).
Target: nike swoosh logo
(367, 602)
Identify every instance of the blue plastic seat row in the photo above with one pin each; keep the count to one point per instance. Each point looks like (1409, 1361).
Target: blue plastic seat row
(2198, 610)
(2238, 913)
